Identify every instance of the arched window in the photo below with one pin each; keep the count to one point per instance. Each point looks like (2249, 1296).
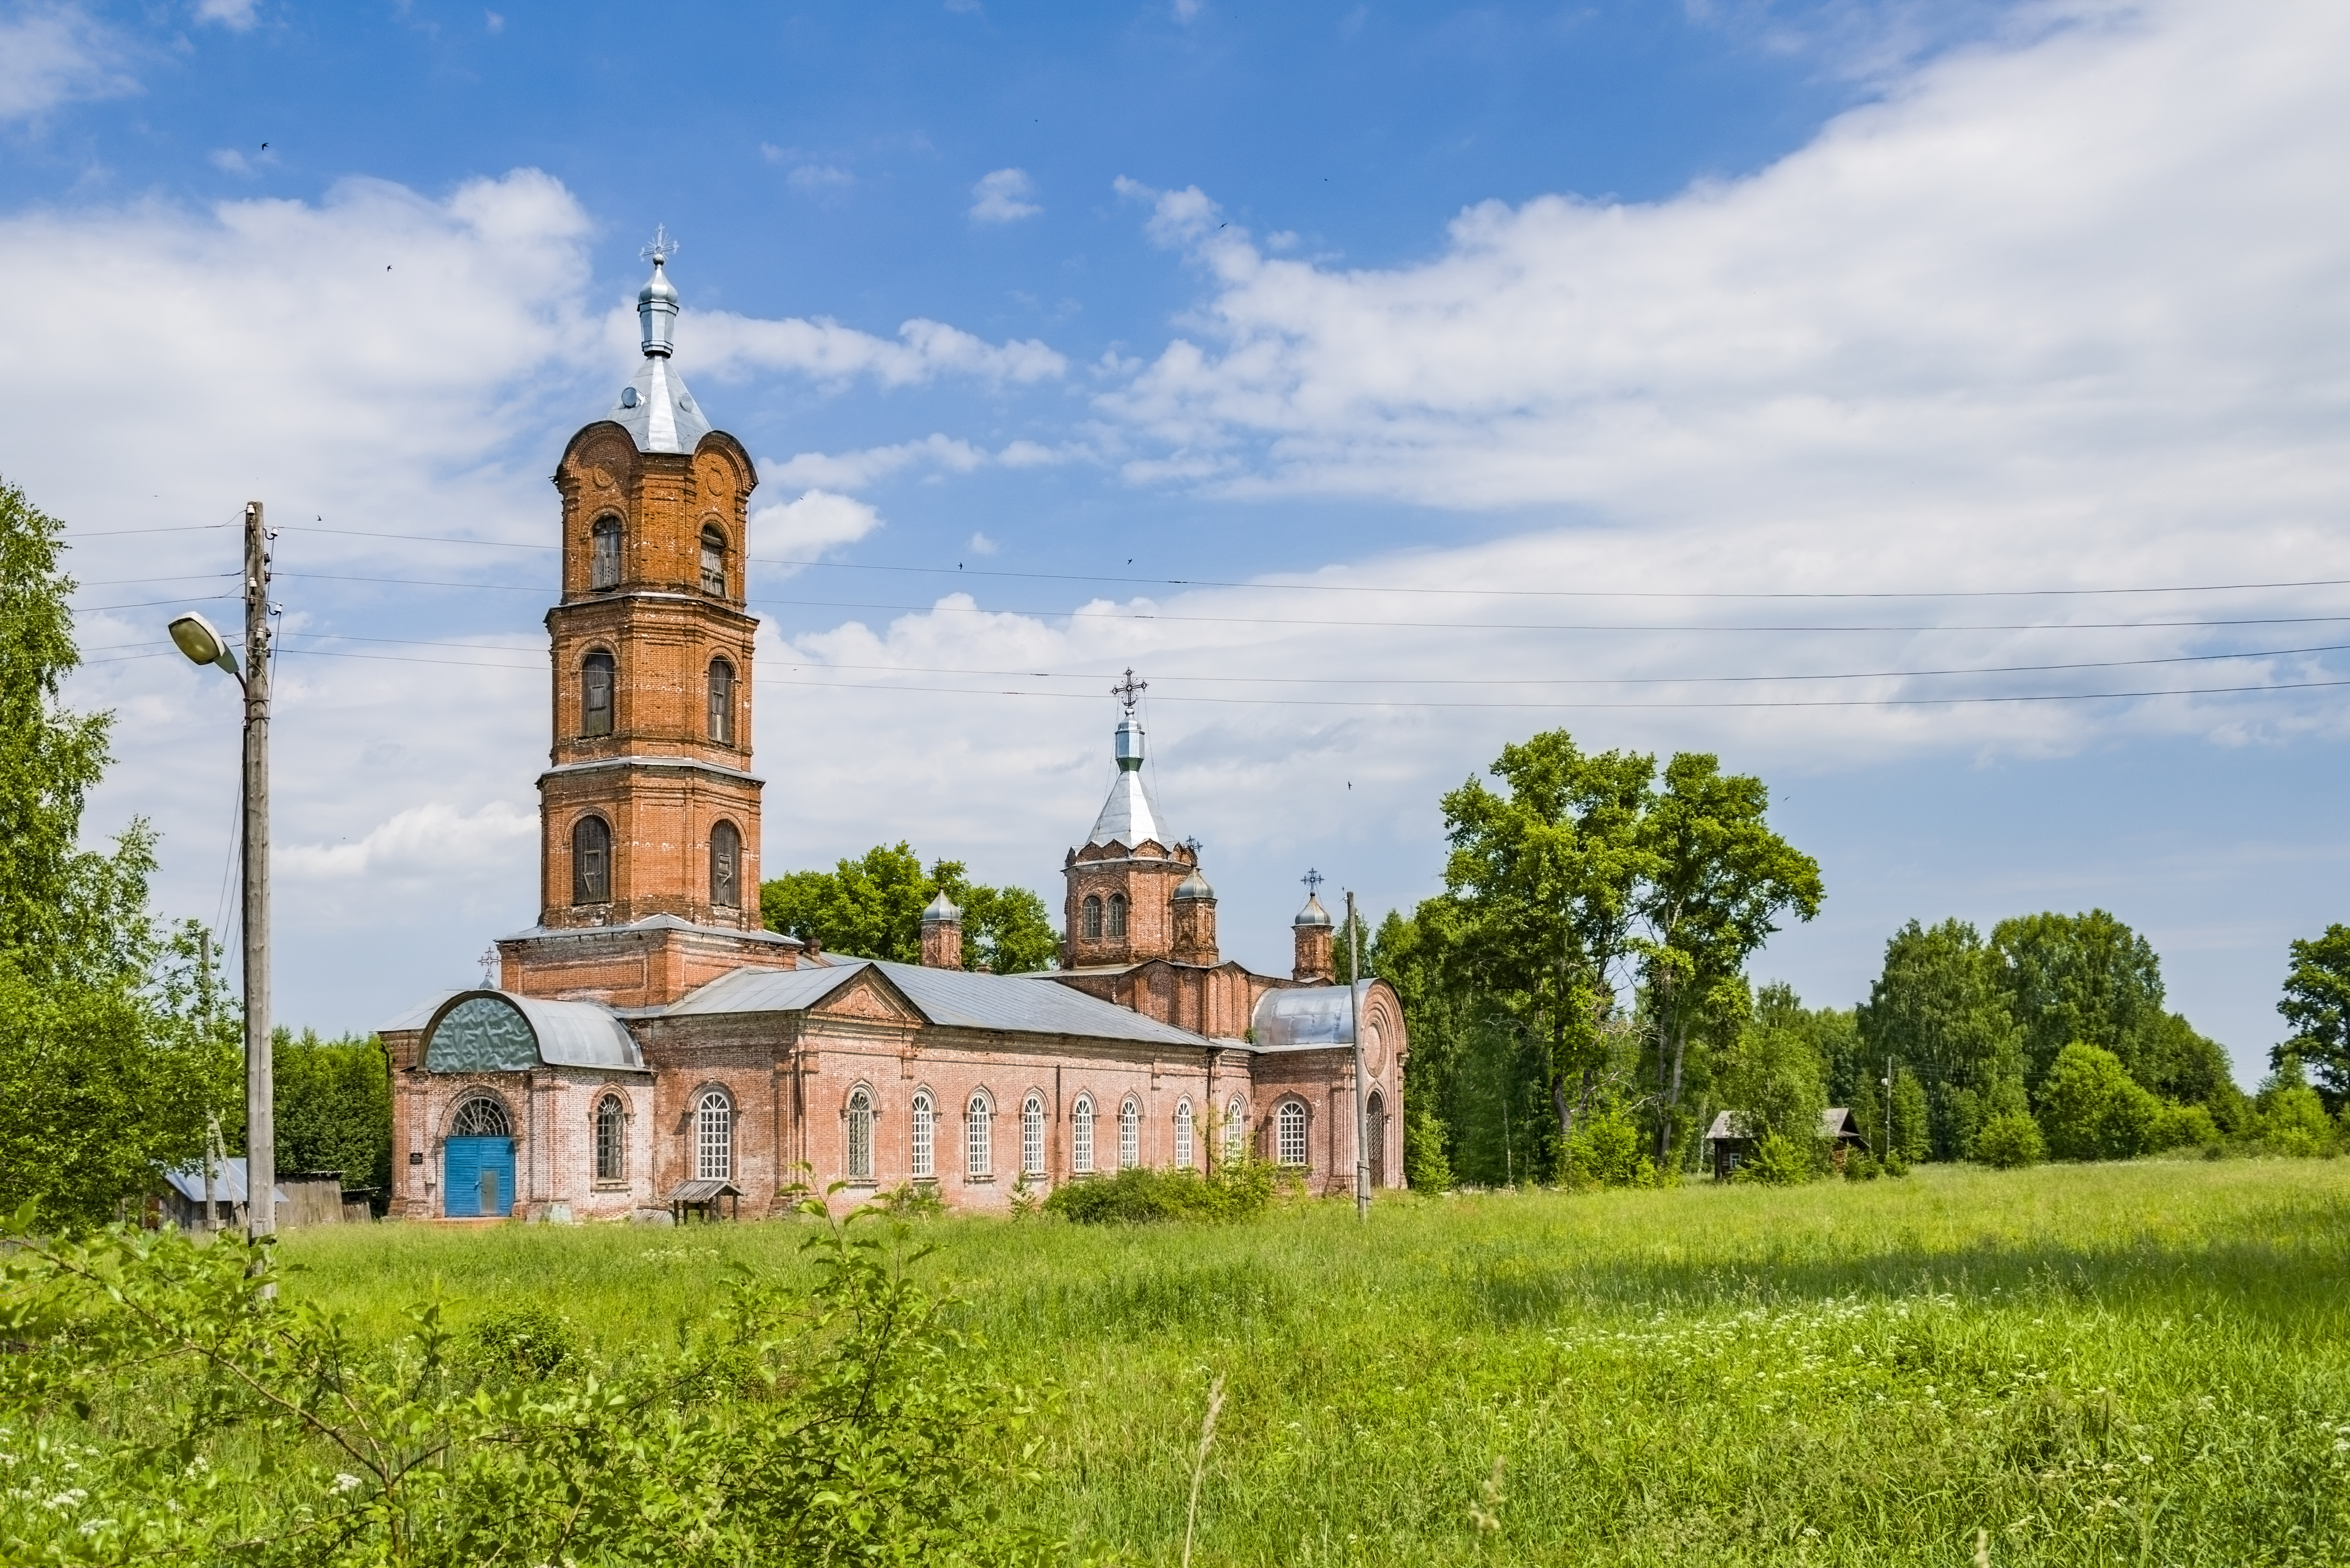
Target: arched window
(480, 1117)
(1092, 919)
(1289, 1133)
(596, 694)
(1081, 1135)
(1129, 1134)
(726, 866)
(591, 861)
(714, 561)
(1235, 1129)
(926, 1135)
(1032, 1135)
(1376, 1130)
(612, 1138)
(713, 1141)
(1183, 1134)
(604, 553)
(977, 1140)
(722, 702)
(860, 1135)
(1117, 914)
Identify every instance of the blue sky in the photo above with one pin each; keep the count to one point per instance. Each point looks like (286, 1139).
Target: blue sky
(1480, 353)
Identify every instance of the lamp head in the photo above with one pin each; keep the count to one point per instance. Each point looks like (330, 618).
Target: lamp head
(196, 637)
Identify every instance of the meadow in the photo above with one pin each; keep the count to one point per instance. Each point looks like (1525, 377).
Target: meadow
(2139, 1363)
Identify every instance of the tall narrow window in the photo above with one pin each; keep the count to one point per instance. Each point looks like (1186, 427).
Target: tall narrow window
(978, 1139)
(1032, 1135)
(860, 1136)
(1183, 1134)
(714, 561)
(596, 694)
(591, 861)
(1117, 914)
(726, 866)
(715, 1138)
(1235, 1129)
(722, 702)
(1092, 919)
(1289, 1133)
(926, 1135)
(611, 1139)
(604, 553)
(1081, 1136)
(1129, 1134)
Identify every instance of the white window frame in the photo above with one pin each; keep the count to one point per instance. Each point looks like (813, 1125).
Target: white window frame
(1184, 1151)
(1081, 1135)
(1235, 1129)
(926, 1135)
(713, 1137)
(1031, 1134)
(1293, 1135)
(860, 1134)
(1129, 1133)
(979, 1135)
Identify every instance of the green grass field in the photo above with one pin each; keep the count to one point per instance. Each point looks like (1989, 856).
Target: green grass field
(2142, 1362)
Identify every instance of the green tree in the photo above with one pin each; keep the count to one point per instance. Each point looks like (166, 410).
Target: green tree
(1545, 878)
(2316, 1003)
(871, 907)
(2086, 978)
(1716, 883)
(2289, 1117)
(2010, 1141)
(334, 1106)
(2091, 1108)
(112, 1047)
(1937, 1009)
(1773, 1082)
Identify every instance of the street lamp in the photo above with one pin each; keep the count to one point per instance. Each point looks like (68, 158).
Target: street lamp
(202, 643)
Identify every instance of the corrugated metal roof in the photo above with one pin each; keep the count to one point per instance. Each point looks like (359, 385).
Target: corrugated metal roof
(228, 1181)
(953, 998)
(415, 1017)
(1836, 1122)
(497, 1030)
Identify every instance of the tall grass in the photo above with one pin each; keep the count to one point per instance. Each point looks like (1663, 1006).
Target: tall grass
(2140, 1363)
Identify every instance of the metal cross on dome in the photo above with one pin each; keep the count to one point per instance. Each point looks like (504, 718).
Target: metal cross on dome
(1127, 689)
(1313, 881)
(489, 962)
(662, 248)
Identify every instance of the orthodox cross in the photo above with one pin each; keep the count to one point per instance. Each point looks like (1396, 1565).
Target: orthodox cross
(1127, 689)
(1313, 881)
(489, 962)
(662, 246)
(1192, 844)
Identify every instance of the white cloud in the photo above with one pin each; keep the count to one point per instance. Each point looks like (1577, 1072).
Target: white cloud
(234, 15)
(1003, 197)
(981, 545)
(51, 55)
(858, 470)
(815, 177)
(819, 521)
(924, 351)
(493, 22)
(422, 844)
(230, 160)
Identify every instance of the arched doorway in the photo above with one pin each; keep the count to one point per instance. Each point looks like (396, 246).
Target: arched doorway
(477, 1162)
(1376, 1131)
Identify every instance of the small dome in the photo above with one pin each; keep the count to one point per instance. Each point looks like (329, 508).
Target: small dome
(941, 911)
(1194, 887)
(656, 309)
(1314, 914)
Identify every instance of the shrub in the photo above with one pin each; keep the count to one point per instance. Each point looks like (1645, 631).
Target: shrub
(911, 1200)
(524, 1342)
(2186, 1127)
(1425, 1168)
(1609, 1150)
(2091, 1108)
(1862, 1166)
(2293, 1122)
(1141, 1194)
(2010, 1141)
(1779, 1160)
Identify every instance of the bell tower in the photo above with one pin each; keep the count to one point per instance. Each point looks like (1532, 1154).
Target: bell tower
(1122, 903)
(650, 808)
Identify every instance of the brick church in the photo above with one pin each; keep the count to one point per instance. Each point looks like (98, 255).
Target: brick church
(649, 1050)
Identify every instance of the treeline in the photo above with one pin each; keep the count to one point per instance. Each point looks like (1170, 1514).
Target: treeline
(871, 907)
(1580, 1011)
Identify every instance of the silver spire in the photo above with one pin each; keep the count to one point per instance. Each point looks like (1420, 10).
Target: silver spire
(655, 408)
(1129, 816)
(657, 301)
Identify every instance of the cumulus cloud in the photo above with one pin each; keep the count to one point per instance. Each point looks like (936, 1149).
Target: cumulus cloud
(815, 177)
(237, 16)
(817, 522)
(923, 351)
(422, 844)
(51, 55)
(1003, 197)
(860, 469)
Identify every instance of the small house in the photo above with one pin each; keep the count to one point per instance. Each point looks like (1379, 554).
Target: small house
(1730, 1147)
(304, 1197)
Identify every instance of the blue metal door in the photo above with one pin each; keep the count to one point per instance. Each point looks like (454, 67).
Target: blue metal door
(477, 1177)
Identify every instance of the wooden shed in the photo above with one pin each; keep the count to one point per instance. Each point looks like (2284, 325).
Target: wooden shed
(1730, 1148)
(305, 1198)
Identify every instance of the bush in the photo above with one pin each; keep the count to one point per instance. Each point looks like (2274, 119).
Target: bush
(2091, 1108)
(911, 1200)
(1862, 1166)
(1141, 1194)
(1779, 1160)
(524, 1342)
(1425, 1168)
(1609, 1150)
(2010, 1141)
(2293, 1122)
(2186, 1127)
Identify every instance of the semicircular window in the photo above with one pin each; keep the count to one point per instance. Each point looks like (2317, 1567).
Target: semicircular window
(480, 1117)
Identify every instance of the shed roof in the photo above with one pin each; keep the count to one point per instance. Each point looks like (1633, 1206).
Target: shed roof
(228, 1181)
(701, 1192)
(1837, 1125)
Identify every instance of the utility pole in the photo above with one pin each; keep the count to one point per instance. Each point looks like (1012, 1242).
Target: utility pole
(1888, 1109)
(260, 1108)
(1362, 1088)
